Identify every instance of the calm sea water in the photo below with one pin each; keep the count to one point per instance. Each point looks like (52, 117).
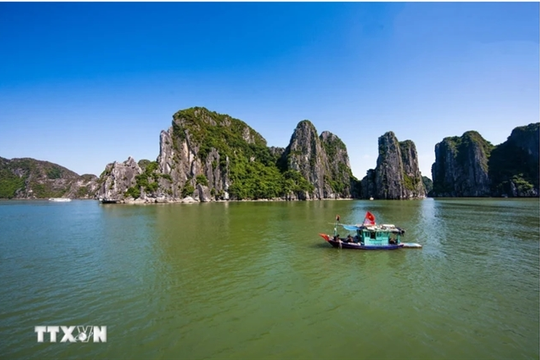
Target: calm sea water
(254, 280)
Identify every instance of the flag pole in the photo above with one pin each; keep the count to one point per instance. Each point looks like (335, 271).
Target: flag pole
(336, 225)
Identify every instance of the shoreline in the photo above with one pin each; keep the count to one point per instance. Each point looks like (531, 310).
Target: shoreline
(183, 201)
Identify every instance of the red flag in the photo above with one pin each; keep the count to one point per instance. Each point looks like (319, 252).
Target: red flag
(369, 219)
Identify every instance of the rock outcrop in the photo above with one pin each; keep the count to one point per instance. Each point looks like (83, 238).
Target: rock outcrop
(28, 178)
(206, 156)
(470, 166)
(397, 175)
(339, 177)
(513, 165)
(190, 153)
(368, 185)
(202, 151)
(209, 156)
(85, 187)
(428, 185)
(306, 155)
(413, 180)
(322, 160)
(117, 178)
(461, 166)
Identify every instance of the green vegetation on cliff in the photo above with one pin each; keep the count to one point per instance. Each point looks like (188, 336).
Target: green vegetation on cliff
(293, 181)
(45, 190)
(333, 145)
(253, 169)
(14, 174)
(408, 150)
(409, 182)
(31, 178)
(471, 166)
(461, 166)
(462, 146)
(147, 181)
(513, 165)
(428, 184)
(467, 141)
(340, 176)
(208, 129)
(254, 180)
(9, 183)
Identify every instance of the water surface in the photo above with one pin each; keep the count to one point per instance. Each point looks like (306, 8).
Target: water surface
(254, 280)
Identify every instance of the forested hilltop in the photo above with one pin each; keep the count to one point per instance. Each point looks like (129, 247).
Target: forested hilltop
(28, 178)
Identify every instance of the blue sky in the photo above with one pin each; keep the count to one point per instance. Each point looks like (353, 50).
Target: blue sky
(85, 84)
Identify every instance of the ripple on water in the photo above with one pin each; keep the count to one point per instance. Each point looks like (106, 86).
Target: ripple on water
(255, 280)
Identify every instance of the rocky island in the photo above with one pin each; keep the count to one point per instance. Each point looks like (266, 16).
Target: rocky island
(207, 156)
(28, 178)
(397, 175)
(469, 165)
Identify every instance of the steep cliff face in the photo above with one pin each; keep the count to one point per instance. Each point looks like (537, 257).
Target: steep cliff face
(389, 183)
(117, 178)
(414, 186)
(210, 156)
(461, 166)
(185, 167)
(428, 185)
(276, 151)
(322, 160)
(27, 178)
(206, 156)
(306, 155)
(397, 175)
(85, 187)
(527, 138)
(513, 165)
(340, 176)
(368, 187)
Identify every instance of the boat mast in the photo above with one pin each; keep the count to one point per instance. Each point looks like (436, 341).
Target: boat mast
(336, 225)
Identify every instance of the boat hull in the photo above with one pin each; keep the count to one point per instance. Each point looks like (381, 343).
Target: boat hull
(343, 244)
(108, 201)
(412, 245)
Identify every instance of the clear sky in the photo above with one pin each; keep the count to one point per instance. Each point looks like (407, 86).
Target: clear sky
(86, 84)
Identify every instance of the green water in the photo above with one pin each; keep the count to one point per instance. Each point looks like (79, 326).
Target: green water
(254, 280)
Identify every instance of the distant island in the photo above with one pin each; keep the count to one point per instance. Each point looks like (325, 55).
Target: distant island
(27, 178)
(206, 156)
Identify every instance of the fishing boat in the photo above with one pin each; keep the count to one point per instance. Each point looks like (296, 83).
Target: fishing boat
(369, 236)
(108, 201)
(60, 199)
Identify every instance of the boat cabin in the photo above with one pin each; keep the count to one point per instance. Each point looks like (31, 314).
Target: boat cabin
(378, 236)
